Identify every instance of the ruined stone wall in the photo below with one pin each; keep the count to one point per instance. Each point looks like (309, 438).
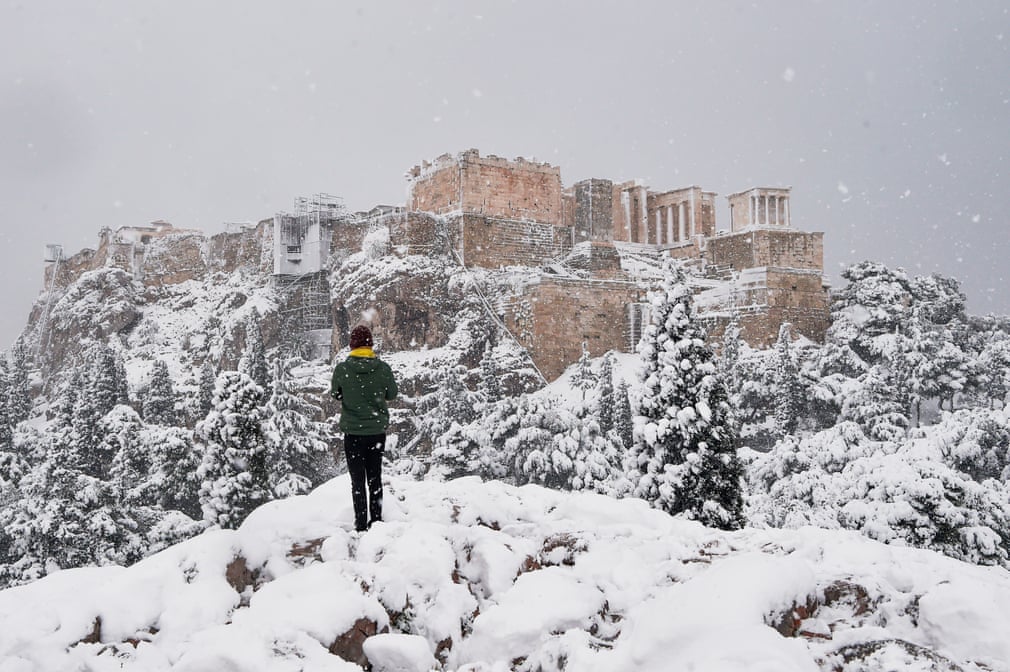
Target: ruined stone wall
(348, 236)
(438, 189)
(767, 247)
(555, 316)
(489, 185)
(412, 233)
(491, 242)
(600, 260)
(764, 299)
(594, 210)
(250, 249)
(71, 268)
(568, 207)
(173, 259)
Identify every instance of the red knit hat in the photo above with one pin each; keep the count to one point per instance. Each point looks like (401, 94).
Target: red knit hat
(361, 337)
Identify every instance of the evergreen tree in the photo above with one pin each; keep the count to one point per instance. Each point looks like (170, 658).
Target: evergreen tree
(584, 379)
(543, 449)
(684, 459)
(490, 386)
(877, 406)
(233, 470)
(174, 469)
(254, 358)
(623, 423)
(298, 448)
(788, 389)
(159, 403)
(205, 395)
(6, 425)
(19, 402)
(605, 394)
(106, 381)
(729, 358)
(131, 462)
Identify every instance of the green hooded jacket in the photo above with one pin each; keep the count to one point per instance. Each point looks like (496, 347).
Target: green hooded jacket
(364, 385)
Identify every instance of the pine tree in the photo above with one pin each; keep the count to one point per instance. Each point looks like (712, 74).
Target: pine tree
(298, 448)
(730, 356)
(107, 384)
(684, 460)
(254, 358)
(788, 389)
(130, 469)
(205, 396)
(605, 394)
(6, 426)
(584, 379)
(623, 423)
(544, 446)
(174, 469)
(159, 403)
(233, 471)
(490, 386)
(20, 401)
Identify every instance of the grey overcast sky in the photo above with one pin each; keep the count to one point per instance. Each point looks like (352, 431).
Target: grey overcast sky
(890, 120)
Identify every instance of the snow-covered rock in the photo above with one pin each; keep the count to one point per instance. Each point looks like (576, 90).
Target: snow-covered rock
(466, 575)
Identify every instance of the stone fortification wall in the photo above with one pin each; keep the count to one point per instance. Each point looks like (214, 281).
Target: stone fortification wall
(763, 299)
(768, 247)
(413, 233)
(490, 185)
(552, 318)
(250, 248)
(594, 210)
(491, 242)
(173, 260)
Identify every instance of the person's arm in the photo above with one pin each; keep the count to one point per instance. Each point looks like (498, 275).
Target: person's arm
(335, 390)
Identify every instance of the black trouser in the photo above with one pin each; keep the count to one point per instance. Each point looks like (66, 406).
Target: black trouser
(364, 463)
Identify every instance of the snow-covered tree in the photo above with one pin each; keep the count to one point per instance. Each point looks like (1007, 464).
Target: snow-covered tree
(254, 357)
(298, 447)
(175, 462)
(205, 394)
(19, 401)
(903, 493)
(543, 449)
(584, 379)
(6, 424)
(159, 402)
(489, 386)
(623, 417)
(233, 470)
(684, 459)
(605, 398)
(876, 405)
(788, 388)
(729, 357)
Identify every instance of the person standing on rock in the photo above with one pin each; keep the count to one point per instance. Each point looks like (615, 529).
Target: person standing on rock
(364, 384)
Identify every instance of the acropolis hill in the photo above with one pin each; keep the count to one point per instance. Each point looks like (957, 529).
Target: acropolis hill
(584, 253)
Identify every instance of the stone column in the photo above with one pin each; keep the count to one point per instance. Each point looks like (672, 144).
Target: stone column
(669, 224)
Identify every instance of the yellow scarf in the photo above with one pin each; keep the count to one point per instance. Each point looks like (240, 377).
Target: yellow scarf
(362, 352)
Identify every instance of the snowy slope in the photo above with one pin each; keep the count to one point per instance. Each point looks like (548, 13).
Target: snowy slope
(494, 577)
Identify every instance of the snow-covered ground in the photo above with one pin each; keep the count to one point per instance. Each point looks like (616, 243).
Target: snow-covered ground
(475, 576)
